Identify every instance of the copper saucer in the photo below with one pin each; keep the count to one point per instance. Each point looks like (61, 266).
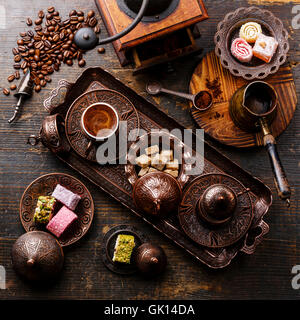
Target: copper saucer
(108, 245)
(45, 185)
(215, 236)
(78, 141)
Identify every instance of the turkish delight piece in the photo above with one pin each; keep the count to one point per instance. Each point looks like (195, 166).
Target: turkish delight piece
(265, 48)
(242, 50)
(151, 169)
(250, 31)
(173, 173)
(143, 161)
(66, 197)
(167, 154)
(61, 221)
(172, 165)
(143, 171)
(152, 150)
(158, 162)
(123, 248)
(44, 209)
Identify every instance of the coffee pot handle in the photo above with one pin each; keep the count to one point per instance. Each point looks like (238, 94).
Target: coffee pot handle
(281, 182)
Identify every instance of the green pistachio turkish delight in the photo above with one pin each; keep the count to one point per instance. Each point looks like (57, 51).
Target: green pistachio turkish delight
(44, 209)
(123, 248)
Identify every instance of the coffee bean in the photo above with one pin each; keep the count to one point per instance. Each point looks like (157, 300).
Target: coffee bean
(29, 22)
(38, 21)
(47, 78)
(72, 13)
(20, 42)
(17, 66)
(17, 74)
(41, 14)
(17, 58)
(49, 16)
(69, 62)
(22, 49)
(13, 87)
(30, 33)
(93, 22)
(91, 13)
(36, 58)
(97, 29)
(24, 64)
(38, 28)
(37, 88)
(101, 50)
(55, 37)
(23, 34)
(15, 51)
(51, 9)
(43, 83)
(6, 91)
(81, 63)
(11, 78)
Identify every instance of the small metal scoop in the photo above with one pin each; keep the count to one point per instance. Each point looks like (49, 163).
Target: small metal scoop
(155, 88)
(24, 91)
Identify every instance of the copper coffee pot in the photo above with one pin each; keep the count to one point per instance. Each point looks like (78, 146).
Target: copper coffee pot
(253, 108)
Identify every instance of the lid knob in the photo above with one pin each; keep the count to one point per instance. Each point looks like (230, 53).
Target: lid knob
(217, 204)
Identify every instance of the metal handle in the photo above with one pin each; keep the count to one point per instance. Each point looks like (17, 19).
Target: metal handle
(281, 181)
(178, 94)
(136, 20)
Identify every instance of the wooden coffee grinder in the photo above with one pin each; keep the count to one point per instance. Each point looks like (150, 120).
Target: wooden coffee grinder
(165, 31)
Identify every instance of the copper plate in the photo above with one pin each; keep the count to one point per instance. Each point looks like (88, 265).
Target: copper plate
(225, 234)
(45, 185)
(108, 245)
(228, 30)
(78, 141)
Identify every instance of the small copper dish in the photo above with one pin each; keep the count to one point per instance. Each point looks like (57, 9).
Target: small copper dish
(108, 246)
(228, 30)
(45, 185)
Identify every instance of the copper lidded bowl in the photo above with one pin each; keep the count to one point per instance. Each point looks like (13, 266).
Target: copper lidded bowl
(228, 30)
(37, 256)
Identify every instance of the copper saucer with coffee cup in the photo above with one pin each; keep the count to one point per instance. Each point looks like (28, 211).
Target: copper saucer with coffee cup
(99, 122)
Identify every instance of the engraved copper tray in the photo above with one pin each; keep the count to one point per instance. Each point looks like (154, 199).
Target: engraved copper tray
(112, 178)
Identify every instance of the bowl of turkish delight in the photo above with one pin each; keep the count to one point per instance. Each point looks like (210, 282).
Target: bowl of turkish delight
(251, 43)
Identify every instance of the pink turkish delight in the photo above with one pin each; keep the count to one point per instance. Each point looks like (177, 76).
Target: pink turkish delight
(66, 197)
(61, 221)
(242, 50)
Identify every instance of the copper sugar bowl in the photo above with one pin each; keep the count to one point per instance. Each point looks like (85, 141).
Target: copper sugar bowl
(37, 256)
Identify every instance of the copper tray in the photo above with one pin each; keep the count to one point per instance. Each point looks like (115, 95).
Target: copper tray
(112, 178)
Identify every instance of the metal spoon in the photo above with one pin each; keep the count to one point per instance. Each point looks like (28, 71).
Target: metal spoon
(156, 87)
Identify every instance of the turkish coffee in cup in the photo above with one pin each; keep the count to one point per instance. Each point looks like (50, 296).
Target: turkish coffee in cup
(100, 121)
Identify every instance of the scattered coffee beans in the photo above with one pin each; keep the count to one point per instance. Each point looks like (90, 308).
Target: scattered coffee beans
(6, 92)
(49, 44)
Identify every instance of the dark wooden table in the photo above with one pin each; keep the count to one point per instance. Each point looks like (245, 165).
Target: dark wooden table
(264, 275)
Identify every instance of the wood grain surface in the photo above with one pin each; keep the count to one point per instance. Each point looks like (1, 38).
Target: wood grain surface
(264, 275)
(210, 75)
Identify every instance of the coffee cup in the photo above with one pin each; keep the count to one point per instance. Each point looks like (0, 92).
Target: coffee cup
(99, 121)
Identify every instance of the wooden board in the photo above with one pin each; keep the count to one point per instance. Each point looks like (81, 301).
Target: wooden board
(188, 12)
(210, 75)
